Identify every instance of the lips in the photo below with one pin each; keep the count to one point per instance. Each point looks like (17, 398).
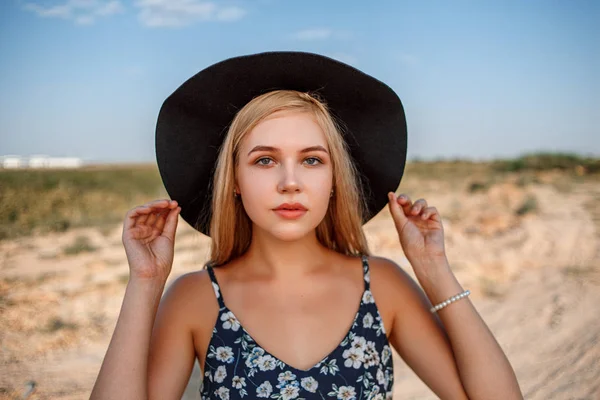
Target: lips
(291, 207)
(290, 211)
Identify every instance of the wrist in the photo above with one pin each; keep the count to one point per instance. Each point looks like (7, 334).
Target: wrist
(437, 279)
(430, 268)
(147, 284)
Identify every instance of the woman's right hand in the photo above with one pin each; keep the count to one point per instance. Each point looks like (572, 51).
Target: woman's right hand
(149, 239)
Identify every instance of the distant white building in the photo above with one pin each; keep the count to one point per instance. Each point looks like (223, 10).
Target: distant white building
(64, 162)
(11, 162)
(39, 161)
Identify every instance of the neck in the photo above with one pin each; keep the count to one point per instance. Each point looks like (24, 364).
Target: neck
(285, 259)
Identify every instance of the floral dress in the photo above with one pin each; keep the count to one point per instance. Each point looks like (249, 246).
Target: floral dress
(359, 368)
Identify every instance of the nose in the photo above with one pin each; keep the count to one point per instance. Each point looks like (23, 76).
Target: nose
(289, 181)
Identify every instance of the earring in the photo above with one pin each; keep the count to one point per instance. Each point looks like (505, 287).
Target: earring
(235, 194)
(331, 194)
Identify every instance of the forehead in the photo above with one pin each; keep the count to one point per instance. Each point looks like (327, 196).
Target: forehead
(286, 130)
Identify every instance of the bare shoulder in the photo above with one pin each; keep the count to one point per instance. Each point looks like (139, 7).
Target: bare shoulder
(190, 285)
(388, 275)
(395, 291)
(191, 294)
(180, 333)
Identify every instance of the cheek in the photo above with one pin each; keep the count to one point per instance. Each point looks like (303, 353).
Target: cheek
(323, 181)
(254, 183)
(256, 191)
(319, 191)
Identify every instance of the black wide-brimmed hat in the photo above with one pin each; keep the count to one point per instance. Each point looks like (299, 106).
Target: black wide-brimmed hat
(193, 122)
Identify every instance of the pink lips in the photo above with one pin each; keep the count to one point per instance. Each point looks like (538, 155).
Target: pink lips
(290, 210)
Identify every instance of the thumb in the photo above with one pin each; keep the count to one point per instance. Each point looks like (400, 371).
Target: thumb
(397, 211)
(171, 223)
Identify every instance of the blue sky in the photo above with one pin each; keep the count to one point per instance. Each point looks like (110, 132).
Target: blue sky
(478, 79)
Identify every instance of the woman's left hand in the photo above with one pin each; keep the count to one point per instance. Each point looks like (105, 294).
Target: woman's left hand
(419, 228)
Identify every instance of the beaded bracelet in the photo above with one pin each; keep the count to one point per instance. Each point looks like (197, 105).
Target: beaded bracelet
(450, 300)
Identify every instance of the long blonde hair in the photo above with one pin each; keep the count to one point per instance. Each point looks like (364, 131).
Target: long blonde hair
(230, 226)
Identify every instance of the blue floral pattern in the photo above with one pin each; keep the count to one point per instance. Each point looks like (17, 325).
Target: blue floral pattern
(360, 368)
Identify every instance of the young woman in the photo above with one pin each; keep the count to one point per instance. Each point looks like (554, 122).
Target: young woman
(291, 305)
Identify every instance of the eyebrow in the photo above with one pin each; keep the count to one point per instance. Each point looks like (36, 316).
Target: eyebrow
(276, 150)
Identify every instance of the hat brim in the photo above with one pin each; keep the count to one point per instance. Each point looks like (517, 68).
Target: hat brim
(193, 121)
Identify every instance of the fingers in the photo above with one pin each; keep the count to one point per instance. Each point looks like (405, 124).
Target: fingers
(397, 211)
(430, 212)
(148, 213)
(171, 223)
(409, 207)
(419, 208)
(161, 220)
(405, 203)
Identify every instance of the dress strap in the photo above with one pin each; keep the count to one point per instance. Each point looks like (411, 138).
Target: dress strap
(216, 286)
(366, 273)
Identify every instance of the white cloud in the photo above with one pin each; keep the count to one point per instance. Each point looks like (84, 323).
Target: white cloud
(110, 8)
(177, 13)
(62, 11)
(82, 12)
(313, 34)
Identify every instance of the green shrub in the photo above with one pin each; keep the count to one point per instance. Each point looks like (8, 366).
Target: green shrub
(57, 324)
(547, 161)
(475, 187)
(529, 205)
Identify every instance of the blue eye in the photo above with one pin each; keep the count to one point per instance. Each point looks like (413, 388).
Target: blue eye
(315, 159)
(265, 161)
(259, 161)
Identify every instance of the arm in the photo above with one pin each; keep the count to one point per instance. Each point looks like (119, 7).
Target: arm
(418, 336)
(148, 238)
(457, 335)
(454, 353)
(172, 351)
(124, 370)
(148, 357)
(484, 370)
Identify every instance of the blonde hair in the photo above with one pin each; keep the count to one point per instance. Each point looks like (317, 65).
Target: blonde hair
(230, 226)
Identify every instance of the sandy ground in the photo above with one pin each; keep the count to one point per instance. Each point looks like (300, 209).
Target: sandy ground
(535, 279)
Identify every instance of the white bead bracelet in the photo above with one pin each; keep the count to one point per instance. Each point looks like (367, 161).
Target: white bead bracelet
(450, 300)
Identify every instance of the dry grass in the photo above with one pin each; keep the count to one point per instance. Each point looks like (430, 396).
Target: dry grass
(33, 201)
(57, 200)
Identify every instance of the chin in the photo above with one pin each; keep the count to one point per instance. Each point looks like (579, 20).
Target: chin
(289, 234)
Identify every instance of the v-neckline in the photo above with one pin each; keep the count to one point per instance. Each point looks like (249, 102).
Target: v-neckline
(279, 360)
